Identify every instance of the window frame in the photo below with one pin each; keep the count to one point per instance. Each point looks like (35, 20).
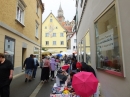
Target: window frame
(122, 73)
(75, 40)
(51, 20)
(46, 34)
(37, 29)
(54, 43)
(21, 5)
(61, 34)
(61, 42)
(46, 43)
(37, 7)
(11, 39)
(53, 34)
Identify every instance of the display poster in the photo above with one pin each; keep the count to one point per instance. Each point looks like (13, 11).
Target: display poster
(106, 41)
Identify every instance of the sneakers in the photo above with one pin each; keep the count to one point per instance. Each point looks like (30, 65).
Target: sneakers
(26, 80)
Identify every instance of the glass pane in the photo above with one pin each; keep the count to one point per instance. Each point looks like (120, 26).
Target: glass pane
(109, 55)
(9, 49)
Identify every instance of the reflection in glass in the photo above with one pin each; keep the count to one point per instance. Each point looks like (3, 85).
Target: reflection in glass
(9, 49)
(109, 55)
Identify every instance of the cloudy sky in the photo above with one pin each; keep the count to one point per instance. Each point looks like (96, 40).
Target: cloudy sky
(68, 7)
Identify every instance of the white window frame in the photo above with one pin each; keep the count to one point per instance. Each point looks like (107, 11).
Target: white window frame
(54, 42)
(61, 34)
(75, 40)
(46, 42)
(20, 13)
(46, 34)
(37, 29)
(54, 34)
(61, 42)
(37, 7)
(51, 20)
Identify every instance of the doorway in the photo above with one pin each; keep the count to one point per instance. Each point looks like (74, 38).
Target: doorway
(23, 56)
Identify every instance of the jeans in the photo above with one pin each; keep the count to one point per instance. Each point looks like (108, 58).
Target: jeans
(34, 71)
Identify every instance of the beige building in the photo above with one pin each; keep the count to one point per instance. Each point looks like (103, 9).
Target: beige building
(53, 35)
(106, 24)
(20, 29)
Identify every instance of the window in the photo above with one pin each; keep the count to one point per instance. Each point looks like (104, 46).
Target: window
(54, 35)
(20, 11)
(37, 8)
(73, 47)
(108, 45)
(47, 42)
(9, 49)
(50, 20)
(36, 33)
(81, 3)
(54, 42)
(62, 43)
(74, 40)
(46, 34)
(61, 34)
(45, 27)
(36, 52)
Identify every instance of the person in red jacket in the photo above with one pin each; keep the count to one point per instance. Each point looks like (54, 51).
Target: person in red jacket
(78, 65)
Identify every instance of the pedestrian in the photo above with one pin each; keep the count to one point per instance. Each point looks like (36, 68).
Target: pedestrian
(6, 75)
(36, 64)
(29, 66)
(73, 65)
(88, 68)
(73, 56)
(57, 62)
(53, 67)
(45, 70)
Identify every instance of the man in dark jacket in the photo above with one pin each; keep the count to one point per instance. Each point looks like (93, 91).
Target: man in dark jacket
(73, 65)
(6, 75)
(29, 66)
(87, 68)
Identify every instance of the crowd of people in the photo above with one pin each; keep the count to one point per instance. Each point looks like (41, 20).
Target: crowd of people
(49, 64)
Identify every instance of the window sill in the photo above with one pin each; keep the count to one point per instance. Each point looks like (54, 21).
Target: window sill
(20, 22)
(36, 37)
(120, 74)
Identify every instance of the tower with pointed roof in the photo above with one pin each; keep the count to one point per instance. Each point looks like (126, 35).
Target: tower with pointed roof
(60, 16)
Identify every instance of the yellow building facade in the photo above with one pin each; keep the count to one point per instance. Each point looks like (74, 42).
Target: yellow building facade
(20, 29)
(53, 35)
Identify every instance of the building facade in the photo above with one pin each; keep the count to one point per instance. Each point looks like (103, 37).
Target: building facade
(54, 35)
(20, 29)
(72, 43)
(68, 26)
(106, 22)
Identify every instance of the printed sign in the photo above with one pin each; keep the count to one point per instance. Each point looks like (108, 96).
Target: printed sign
(106, 41)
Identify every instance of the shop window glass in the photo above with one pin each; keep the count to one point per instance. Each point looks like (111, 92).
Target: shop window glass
(108, 45)
(88, 54)
(36, 52)
(9, 49)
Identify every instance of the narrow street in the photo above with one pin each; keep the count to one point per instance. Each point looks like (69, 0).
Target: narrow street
(21, 89)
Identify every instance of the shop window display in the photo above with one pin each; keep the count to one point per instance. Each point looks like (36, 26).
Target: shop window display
(9, 49)
(108, 45)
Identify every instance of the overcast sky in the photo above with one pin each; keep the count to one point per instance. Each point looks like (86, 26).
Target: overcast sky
(68, 7)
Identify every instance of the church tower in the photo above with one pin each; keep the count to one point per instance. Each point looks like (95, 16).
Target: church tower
(60, 16)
